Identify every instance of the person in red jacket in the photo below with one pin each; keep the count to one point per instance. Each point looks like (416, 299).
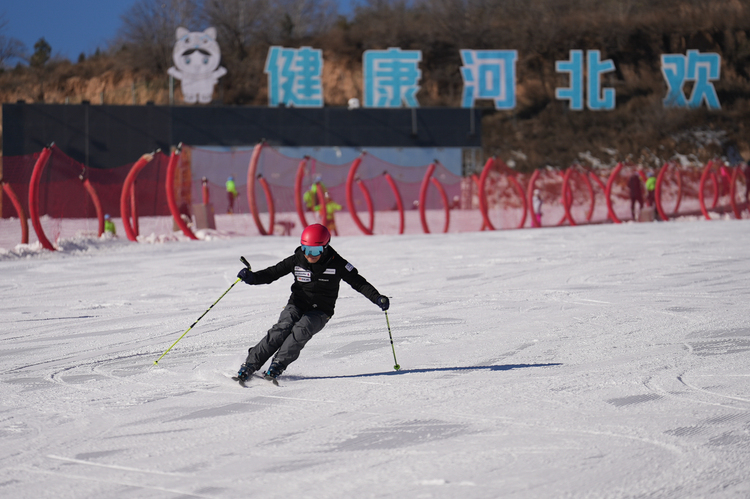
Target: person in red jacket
(317, 270)
(636, 193)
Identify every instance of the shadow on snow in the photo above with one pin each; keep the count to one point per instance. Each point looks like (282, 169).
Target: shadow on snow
(506, 367)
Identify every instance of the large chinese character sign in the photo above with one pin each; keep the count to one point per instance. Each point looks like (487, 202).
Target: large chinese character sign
(702, 69)
(391, 77)
(294, 77)
(489, 74)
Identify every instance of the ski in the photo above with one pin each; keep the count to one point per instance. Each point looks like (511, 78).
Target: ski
(243, 383)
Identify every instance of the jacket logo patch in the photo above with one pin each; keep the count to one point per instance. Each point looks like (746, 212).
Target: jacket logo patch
(329, 271)
(349, 267)
(302, 275)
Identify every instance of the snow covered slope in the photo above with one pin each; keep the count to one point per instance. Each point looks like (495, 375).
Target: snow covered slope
(598, 361)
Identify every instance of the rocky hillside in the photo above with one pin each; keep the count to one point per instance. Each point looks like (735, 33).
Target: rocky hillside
(542, 130)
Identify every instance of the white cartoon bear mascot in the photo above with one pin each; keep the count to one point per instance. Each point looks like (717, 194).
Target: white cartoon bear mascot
(196, 63)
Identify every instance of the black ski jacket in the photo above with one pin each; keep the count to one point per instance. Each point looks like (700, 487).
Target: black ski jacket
(316, 285)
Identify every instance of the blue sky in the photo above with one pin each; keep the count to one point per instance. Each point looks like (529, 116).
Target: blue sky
(70, 26)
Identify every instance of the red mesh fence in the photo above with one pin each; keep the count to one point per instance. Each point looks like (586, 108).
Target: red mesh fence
(280, 172)
(61, 190)
(450, 202)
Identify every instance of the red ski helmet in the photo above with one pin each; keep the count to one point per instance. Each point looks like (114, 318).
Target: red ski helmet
(315, 235)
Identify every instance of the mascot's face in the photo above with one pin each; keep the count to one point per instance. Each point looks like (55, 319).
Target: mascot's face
(196, 53)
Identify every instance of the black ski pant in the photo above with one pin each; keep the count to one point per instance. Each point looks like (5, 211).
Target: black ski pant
(287, 337)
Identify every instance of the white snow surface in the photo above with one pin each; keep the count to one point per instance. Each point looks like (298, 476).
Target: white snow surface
(591, 361)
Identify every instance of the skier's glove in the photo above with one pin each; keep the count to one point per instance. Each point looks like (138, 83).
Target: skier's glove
(383, 302)
(246, 275)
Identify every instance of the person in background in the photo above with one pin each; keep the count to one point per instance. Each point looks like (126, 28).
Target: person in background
(109, 226)
(651, 189)
(331, 208)
(310, 197)
(231, 193)
(636, 193)
(318, 270)
(536, 201)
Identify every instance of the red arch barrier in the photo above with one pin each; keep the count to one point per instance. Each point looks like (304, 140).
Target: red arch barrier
(475, 179)
(733, 191)
(597, 180)
(173, 158)
(512, 178)
(701, 197)
(20, 211)
(97, 205)
(608, 193)
(567, 198)
(129, 192)
(568, 194)
(482, 194)
(519, 190)
(530, 197)
(482, 186)
(298, 191)
(251, 201)
(134, 210)
(36, 176)
(423, 198)
(368, 202)
(399, 202)
(269, 200)
(320, 190)
(658, 191)
(350, 198)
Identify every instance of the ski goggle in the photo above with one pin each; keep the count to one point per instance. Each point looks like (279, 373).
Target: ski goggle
(312, 250)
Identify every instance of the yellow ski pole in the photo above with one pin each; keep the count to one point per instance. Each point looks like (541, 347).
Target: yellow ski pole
(242, 259)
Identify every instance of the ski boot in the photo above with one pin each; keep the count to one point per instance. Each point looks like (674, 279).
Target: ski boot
(246, 370)
(274, 371)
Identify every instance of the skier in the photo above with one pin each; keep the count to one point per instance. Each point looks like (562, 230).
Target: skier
(317, 270)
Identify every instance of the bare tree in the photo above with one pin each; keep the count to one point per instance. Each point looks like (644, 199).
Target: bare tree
(240, 24)
(245, 23)
(301, 19)
(247, 28)
(148, 32)
(10, 47)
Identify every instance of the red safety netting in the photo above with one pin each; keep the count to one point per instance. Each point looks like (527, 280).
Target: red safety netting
(280, 172)
(375, 197)
(62, 193)
(68, 190)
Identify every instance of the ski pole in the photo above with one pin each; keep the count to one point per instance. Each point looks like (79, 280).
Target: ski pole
(396, 367)
(242, 259)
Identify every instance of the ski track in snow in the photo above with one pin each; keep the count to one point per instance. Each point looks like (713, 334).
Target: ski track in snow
(596, 361)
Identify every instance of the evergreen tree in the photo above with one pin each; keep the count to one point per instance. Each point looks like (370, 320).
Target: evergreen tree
(42, 51)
